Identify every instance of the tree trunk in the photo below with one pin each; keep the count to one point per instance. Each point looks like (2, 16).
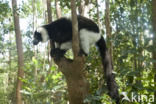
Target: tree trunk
(50, 44)
(98, 18)
(75, 38)
(74, 73)
(73, 70)
(108, 27)
(33, 10)
(110, 78)
(49, 11)
(19, 52)
(34, 24)
(154, 38)
(58, 10)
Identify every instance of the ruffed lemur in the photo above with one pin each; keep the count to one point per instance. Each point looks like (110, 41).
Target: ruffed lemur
(60, 32)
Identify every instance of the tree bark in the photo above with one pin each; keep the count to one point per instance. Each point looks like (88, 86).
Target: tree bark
(49, 11)
(19, 52)
(98, 18)
(34, 24)
(108, 27)
(58, 10)
(75, 38)
(51, 44)
(154, 38)
(74, 73)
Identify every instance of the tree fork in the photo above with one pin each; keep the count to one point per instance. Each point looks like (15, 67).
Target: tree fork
(73, 70)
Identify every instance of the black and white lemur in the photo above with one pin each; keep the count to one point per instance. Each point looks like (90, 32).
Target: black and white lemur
(60, 32)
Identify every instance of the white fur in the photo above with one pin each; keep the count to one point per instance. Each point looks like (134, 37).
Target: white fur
(44, 34)
(66, 45)
(88, 38)
(57, 45)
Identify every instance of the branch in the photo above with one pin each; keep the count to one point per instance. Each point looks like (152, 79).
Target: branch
(49, 11)
(75, 38)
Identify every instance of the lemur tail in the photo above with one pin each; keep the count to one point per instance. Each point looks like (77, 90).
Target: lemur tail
(108, 68)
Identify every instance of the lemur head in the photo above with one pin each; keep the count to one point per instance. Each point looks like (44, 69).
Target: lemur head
(40, 35)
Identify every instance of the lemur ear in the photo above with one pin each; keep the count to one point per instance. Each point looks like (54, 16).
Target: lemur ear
(37, 34)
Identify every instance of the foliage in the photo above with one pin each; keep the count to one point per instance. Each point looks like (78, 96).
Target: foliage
(44, 84)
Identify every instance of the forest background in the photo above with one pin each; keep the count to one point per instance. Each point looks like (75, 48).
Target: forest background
(131, 42)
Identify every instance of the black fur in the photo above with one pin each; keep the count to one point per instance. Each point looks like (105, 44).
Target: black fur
(110, 79)
(60, 30)
(102, 47)
(37, 38)
(57, 53)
